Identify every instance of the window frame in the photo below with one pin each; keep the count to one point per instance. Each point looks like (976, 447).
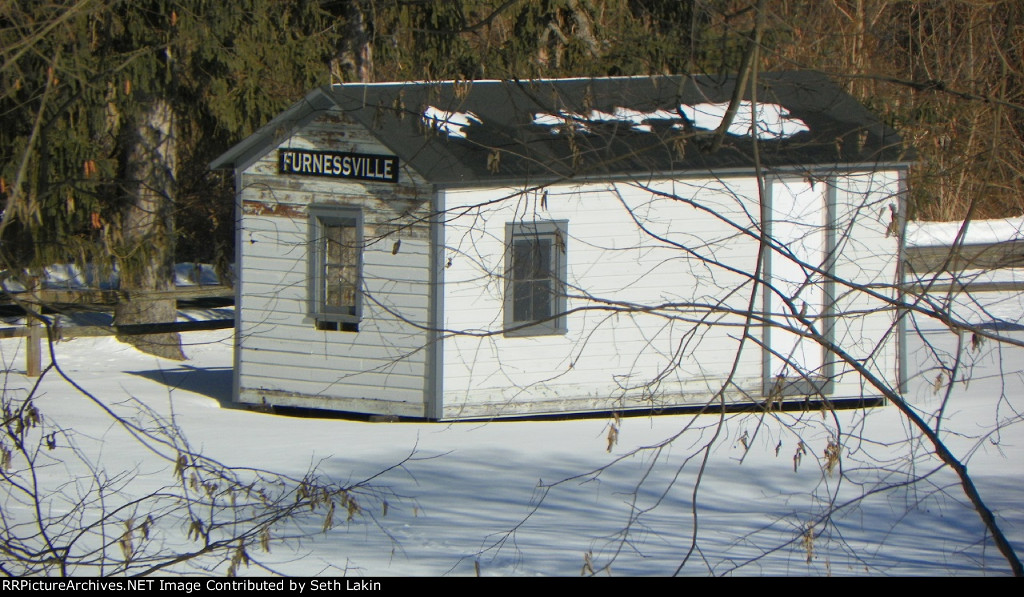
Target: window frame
(555, 324)
(328, 317)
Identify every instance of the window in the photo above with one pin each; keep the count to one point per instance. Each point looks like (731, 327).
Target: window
(535, 273)
(336, 239)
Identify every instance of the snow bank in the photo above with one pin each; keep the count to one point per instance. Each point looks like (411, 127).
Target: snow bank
(931, 234)
(68, 276)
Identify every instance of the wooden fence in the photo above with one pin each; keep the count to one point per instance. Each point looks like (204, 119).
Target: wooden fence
(977, 256)
(923, 262)
(86, 299)
(34, 332)
(81, 297)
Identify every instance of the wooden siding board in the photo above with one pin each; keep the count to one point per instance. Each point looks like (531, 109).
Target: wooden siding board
(738, 394)
(400, 289)
(378, 386)
(363, 345)
(403, 408)
(360, 384)
(627, 369)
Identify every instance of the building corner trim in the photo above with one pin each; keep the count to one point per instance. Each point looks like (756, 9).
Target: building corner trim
(434, 385)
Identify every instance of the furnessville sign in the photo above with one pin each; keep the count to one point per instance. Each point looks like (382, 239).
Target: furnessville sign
(336, 164)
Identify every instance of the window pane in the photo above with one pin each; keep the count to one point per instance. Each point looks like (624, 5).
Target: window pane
(522, 302)
(531, 301)
(341, 267)
(535, 268)
(542, 259)
(542, 298)
(531, 258)
(522, 258)
(335, 243)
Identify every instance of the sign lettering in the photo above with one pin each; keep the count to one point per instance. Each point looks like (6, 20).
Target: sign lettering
(336, 164)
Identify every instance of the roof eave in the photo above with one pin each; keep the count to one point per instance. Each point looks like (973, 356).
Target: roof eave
(727, 172)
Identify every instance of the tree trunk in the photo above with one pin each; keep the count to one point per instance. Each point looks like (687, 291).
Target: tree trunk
(146, 258)
(354, 61)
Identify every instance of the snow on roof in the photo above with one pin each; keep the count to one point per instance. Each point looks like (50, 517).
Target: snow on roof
(772, 122)
(452, 124)
(638, 121)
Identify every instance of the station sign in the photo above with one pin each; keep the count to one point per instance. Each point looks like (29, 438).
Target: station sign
(336, 164)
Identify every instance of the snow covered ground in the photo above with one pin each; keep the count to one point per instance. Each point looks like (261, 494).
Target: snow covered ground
(68, 276)
(547, 498)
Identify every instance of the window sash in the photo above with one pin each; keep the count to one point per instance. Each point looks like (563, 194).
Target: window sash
(533, 282)
(340, 274)
(535, 269)
(335, 265)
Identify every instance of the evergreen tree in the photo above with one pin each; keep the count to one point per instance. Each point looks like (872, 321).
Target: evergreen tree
(106, 104)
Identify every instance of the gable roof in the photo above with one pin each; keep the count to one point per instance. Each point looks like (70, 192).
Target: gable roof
(533, 131)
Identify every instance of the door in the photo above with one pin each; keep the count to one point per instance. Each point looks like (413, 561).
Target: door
(795, 300)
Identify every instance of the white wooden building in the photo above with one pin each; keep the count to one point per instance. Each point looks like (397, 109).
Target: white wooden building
(503, 248)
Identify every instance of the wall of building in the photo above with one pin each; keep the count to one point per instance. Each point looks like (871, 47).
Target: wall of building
(282, 358)
(659, 282)
(630, 247)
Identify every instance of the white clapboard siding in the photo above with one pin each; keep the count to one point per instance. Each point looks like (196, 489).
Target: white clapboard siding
(692, 244)
(283, 359)
(629, 246)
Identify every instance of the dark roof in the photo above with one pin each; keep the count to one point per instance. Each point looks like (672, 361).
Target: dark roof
(544, 130)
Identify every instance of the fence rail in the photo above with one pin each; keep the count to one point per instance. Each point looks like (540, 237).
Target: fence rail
(34, 332)
(137, 329)
(954, 260)
(92, 296)
(932, 259)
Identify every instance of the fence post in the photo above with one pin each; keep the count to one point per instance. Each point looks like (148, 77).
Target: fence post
(33, 347)
(33, 339)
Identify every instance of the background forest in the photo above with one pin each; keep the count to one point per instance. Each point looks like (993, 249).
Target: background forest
(110, 110)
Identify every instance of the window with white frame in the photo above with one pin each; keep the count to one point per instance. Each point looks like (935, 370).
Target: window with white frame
(535, 275)
(336, 247)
